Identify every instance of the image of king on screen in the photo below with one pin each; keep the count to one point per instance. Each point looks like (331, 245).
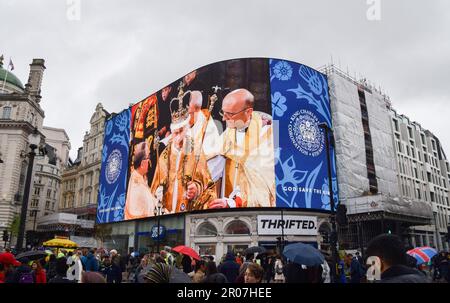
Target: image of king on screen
(181, 171)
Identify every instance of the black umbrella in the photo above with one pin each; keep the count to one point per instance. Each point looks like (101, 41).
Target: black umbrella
(254, 249)
(32, 255)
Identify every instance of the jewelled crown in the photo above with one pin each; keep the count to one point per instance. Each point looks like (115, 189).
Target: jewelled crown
(179, 110)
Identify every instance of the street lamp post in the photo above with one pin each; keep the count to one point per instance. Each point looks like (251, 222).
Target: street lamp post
(333, 239)
(33, 140)
(158, 211)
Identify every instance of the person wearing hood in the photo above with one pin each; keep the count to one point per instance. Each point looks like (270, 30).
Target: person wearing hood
(229, 267)
(392, 255)
(91, 262)
(9, 262)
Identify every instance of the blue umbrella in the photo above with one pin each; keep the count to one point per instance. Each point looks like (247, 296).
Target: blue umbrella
(303, 254)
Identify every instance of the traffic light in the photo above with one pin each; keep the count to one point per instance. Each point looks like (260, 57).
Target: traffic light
(341, 214)
(5, 236)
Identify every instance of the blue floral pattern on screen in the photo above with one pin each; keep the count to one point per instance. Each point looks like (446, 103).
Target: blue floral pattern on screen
(114, 170)
(279, 104)
(281, 70)
(300, 102)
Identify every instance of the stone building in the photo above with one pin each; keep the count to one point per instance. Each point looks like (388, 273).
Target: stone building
(80, 180)
(20, 114)
(423, 174)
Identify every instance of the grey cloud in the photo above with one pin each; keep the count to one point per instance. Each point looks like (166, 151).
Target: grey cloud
(122, 51)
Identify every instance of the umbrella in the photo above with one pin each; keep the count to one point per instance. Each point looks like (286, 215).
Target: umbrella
(422, 254)
(163, 273)
(32, 255)
(187, 251)
(254, 249)
(179, 276)
(303, 254)
(66, 243)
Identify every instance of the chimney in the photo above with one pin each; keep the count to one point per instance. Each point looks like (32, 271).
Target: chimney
(37, 68)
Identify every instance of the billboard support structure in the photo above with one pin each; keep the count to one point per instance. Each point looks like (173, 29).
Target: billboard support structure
(329, 132)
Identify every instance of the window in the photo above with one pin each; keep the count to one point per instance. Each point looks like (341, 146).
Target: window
(49, 193)
(6, 112)
(34, 203)
(37, 191)
(47, 205)
(207, 229)
(95, 142)
(396, 125)
(418, 194)
(410, 132)
(53, 205)
(237, 228)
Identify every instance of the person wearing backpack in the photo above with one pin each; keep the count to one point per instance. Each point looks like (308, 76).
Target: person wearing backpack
(24, 272)
(279, 276)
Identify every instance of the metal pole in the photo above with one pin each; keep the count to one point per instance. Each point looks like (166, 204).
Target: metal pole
(332, 206)
(23, 214)
(282, 232)
(438, 235)
(157, 246)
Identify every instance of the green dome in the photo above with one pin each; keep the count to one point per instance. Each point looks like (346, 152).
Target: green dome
(11, 79)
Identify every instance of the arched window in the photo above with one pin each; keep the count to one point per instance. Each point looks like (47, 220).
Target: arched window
(6, 112)
(207, 229)
(237, 227)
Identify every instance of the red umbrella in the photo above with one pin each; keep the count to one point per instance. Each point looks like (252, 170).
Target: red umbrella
(186, 251)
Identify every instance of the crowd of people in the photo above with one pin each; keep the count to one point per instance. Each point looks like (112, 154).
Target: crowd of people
(167, 266)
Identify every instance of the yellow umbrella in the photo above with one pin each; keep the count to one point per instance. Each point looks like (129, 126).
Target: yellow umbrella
(65, 243)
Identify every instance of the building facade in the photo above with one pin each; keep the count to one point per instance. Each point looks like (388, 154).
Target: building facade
(423, 174)
(367, 169)
(44, 199)
(20, 114)
(80, 179)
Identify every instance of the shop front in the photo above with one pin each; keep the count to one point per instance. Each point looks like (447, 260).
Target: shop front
(171, 233)
(215, 234)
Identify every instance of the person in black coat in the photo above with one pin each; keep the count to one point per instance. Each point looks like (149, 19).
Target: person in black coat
(61, 272)
(212, 275)
(392, 254)
(111, 271)
(187, 264)
(294, 273)
(230, 268)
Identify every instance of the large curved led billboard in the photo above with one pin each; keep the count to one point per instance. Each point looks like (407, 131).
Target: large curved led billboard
(240, 133)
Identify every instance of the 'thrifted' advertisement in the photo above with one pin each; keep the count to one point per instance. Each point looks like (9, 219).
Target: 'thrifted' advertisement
(234, 134)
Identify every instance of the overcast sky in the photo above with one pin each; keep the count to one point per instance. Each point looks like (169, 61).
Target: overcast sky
(121, 51)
